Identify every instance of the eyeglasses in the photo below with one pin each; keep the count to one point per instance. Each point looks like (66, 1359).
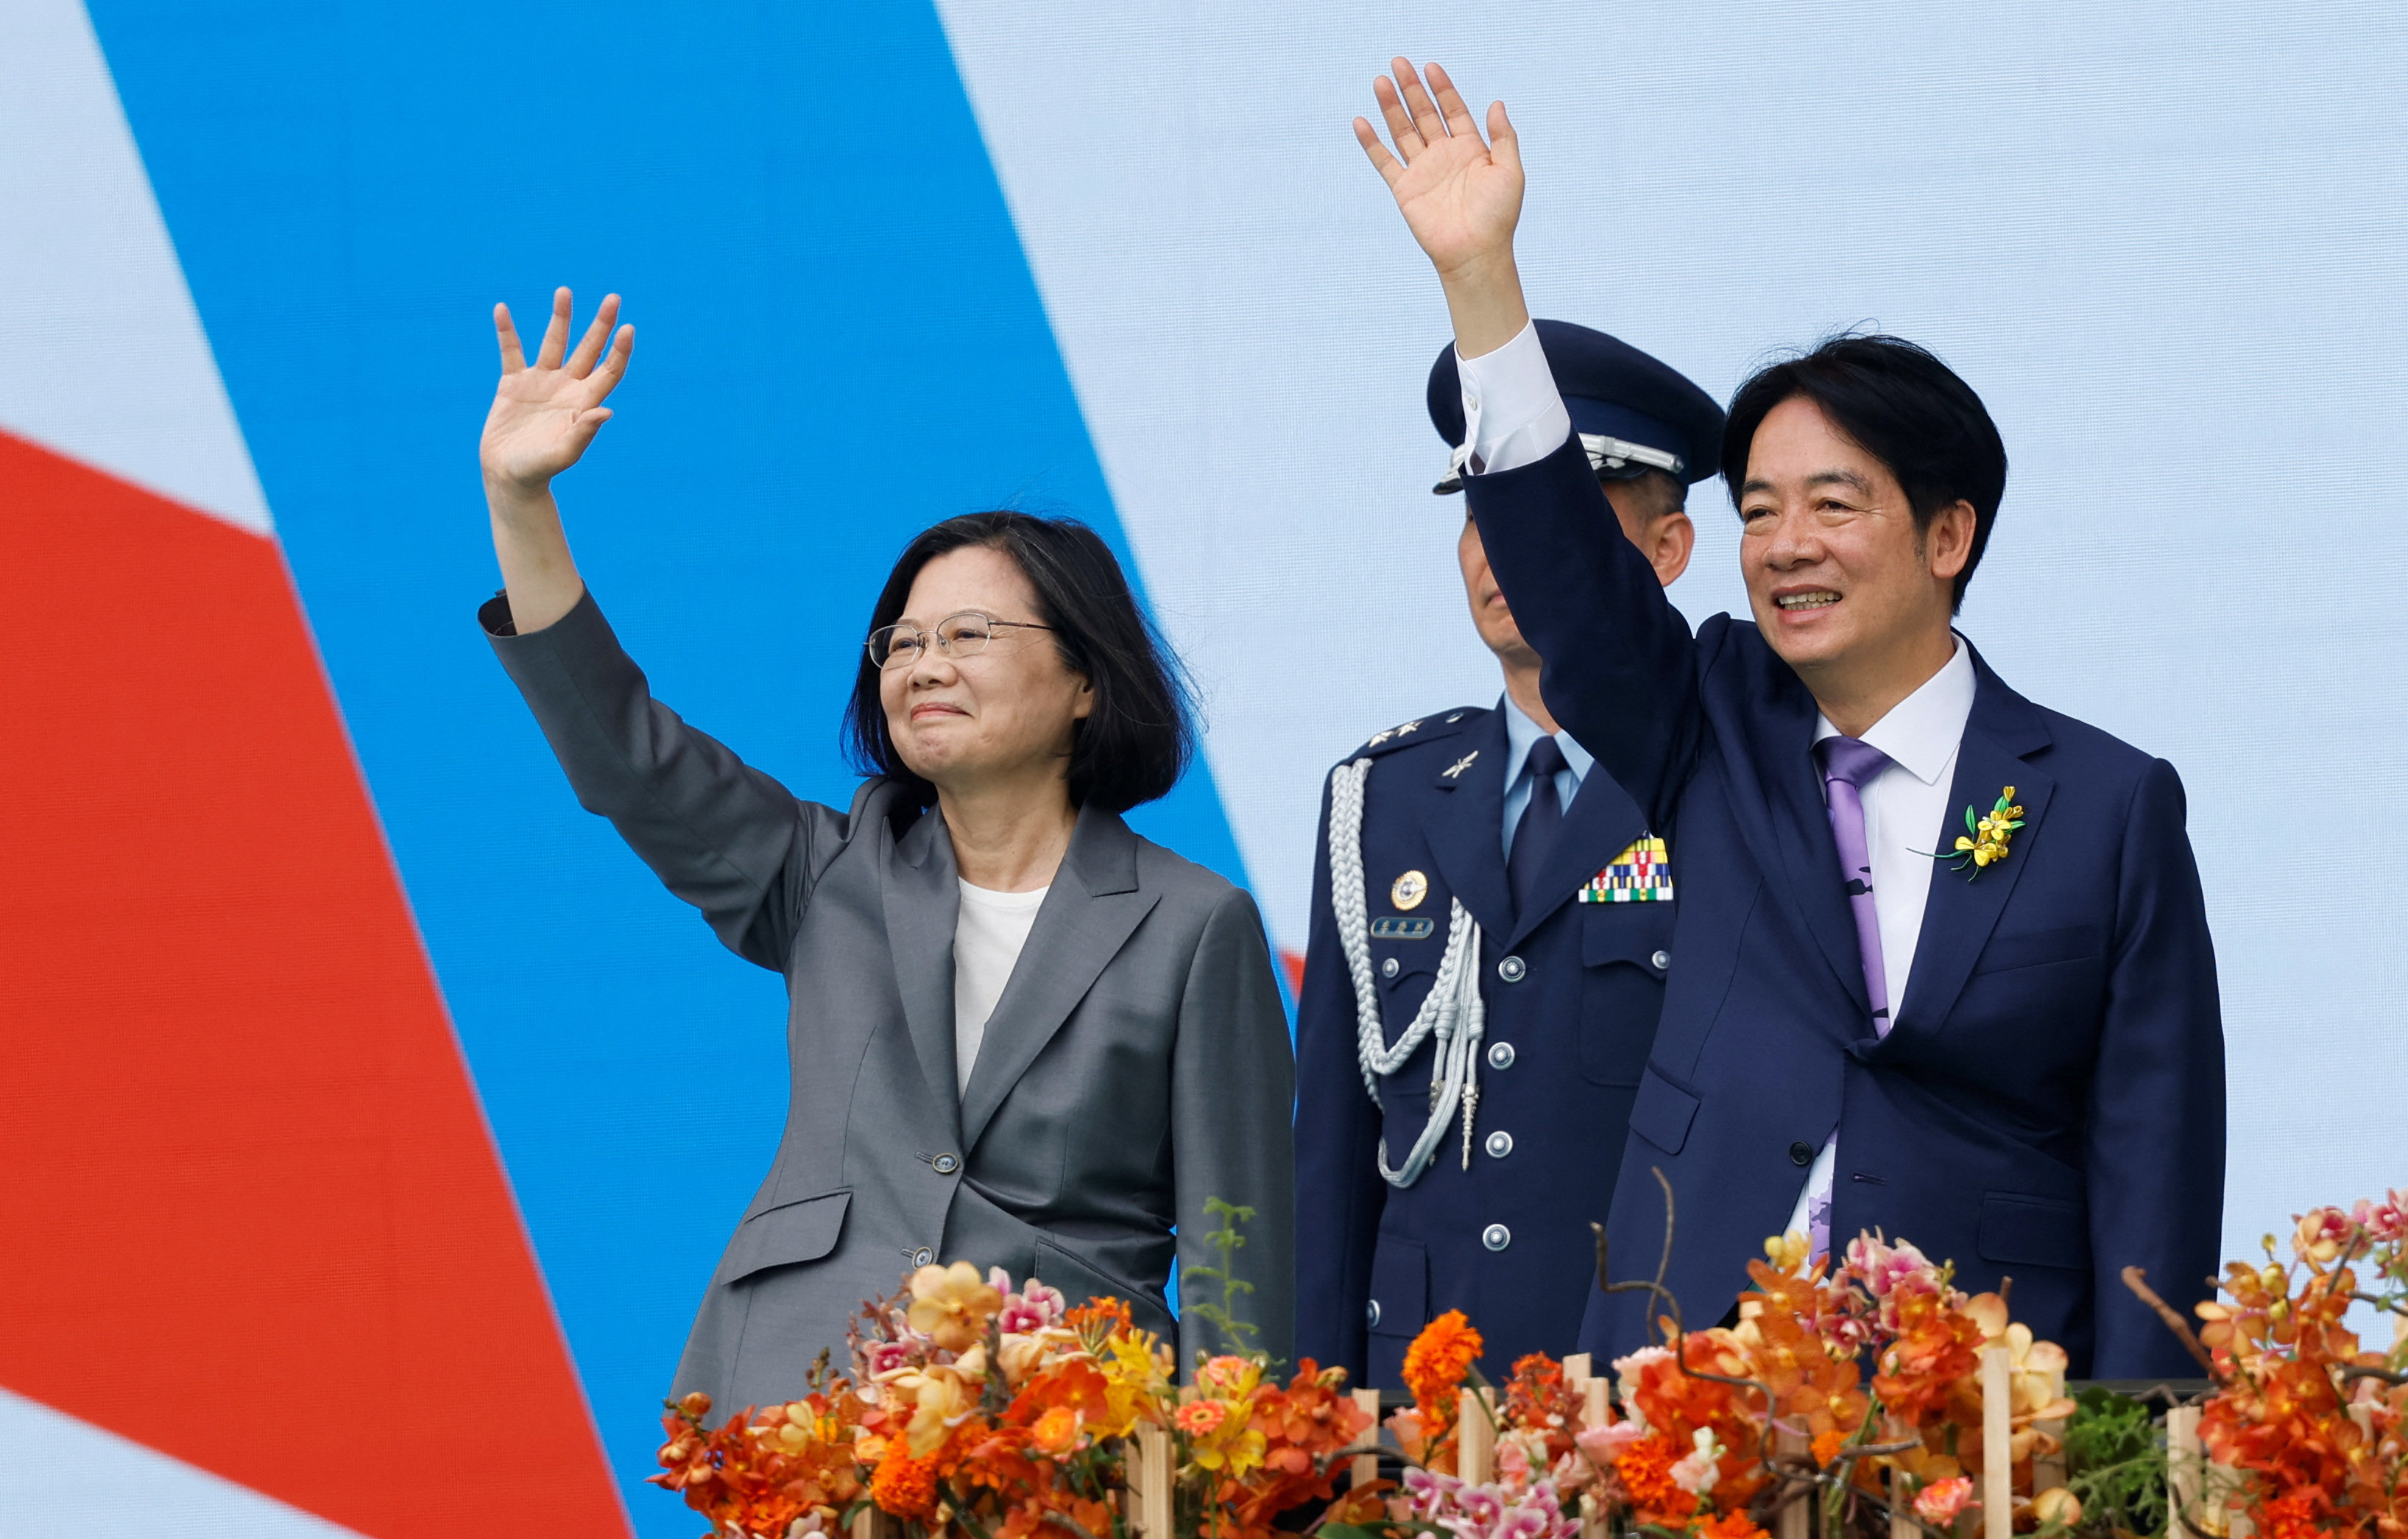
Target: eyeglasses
(957, 635)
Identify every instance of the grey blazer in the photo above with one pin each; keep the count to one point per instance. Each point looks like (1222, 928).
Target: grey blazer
(1137, 1065)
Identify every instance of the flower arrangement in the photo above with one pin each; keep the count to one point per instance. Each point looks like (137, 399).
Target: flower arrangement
(1865, 1390)
(979, 1411)
(2309, 1428)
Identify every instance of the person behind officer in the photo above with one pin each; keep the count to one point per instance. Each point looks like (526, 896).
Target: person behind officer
(1491, 931)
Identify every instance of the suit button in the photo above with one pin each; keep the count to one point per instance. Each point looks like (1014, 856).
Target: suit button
(944, 1164)
(1496, 1237)
(1512, 970)
(1500, 1143)
(1390, 968)
(1500, 1054)
(1663, 960)
(923, 1257)
(1801, 1154)
(1371, 1315)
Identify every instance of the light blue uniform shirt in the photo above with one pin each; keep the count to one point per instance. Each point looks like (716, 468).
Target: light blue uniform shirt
(1521, 732)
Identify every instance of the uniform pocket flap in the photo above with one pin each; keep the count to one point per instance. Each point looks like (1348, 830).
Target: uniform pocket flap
(2042, 948)
(1399, 1288)
(1662, 1113)
(1636, 933)
(784, 1235)
(2034, 1232)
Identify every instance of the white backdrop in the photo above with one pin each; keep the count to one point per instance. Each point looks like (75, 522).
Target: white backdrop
(2165, 243)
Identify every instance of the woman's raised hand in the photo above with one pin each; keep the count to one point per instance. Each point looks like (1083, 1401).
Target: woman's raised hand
(543, 417)
(1461, 196)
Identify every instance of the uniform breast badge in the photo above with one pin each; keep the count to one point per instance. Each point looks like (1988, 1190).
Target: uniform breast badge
(1639, 875)
(1408, 891)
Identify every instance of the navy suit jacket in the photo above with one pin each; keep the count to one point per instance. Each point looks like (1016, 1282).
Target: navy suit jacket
(2050, 1103)
(1572, 1024)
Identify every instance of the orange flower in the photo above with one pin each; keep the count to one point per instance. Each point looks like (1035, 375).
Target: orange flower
(1646, 1470)
(1730, 1525)
(1436, 1361)
(904, 1486)
(1201, 1417)
(1827, 1446)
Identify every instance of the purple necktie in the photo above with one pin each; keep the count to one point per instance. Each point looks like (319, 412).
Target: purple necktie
(1849, 765)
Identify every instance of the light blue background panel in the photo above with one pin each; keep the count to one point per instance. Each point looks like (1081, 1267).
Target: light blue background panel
(839, 343)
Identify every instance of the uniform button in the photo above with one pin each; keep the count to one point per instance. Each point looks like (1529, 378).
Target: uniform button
(1496, 1237)
(1500, 1143)
(1500, 1054)
(1390, 968)
(923, 1257)
(1801, 1154)
(1371, 1315)
(1512, 970)
(1662, 959)
(944, 1164)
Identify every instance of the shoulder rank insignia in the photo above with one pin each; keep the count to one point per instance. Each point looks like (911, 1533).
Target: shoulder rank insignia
(1379, 737)
(1639, 875)
(1455, 771)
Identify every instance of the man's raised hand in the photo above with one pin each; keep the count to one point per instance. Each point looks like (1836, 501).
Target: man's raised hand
(543, 417)
(1461, 196)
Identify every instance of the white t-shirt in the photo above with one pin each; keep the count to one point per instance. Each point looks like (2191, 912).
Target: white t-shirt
(987, 939)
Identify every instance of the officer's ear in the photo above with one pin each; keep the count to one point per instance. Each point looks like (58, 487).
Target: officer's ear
(1670, 539)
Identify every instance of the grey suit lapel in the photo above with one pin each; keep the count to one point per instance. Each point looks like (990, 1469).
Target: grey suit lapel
(1094, 907)
(923, 905)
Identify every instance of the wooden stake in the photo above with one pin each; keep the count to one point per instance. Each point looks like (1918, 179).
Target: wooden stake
(1366, 1466)
(2183, 1471)
(1475, 1437)
(1796, 1520)
(1998, 1455)
(1147, 1501)
(1576, 1369)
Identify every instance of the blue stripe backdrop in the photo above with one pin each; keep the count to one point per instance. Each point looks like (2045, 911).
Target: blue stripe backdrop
(839, 342)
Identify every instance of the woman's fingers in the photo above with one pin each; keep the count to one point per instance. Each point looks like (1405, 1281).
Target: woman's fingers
(514, 355)
(614, 365)
(1426, 120)
(1458, 117)
(556, 336)
(589, 347)
(1389, 167)
(1400, 123)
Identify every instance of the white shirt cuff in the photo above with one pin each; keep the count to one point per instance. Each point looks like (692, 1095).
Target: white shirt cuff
(1512, 414)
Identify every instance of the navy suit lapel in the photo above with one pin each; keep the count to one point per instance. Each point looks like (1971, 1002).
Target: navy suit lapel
(2002, 729)
(1798, 827)
(1466, 832)
(922, 901)
(1095, 905)
(1600, 824)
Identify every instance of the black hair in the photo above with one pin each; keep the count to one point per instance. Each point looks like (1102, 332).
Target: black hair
(1902, 406)
(1136, 740)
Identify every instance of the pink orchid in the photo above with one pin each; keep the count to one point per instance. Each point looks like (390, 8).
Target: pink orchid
(1600, 1443)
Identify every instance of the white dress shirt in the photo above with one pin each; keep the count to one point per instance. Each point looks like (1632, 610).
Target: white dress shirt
(988, 936)
(1514, 416)
(1521, 732)
(1907, 819)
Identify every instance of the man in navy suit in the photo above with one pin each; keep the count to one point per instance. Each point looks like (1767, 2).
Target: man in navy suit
(2010, 1054)
(1476, 1013)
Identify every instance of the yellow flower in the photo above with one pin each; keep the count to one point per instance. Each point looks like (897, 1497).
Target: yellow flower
(951, 1305)
(1788, 1252)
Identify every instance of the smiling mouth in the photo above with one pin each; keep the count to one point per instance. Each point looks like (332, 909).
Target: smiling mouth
(1819, 599)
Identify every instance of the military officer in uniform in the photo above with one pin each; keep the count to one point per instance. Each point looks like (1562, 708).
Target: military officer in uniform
(1492, 922)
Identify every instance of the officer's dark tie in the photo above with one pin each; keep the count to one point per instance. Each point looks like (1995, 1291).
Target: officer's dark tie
(1540, 822)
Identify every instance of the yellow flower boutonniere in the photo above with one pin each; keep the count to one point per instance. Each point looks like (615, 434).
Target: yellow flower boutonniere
(1983, 843)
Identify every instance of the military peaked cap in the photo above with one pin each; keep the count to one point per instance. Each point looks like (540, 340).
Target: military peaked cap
(1634, 413)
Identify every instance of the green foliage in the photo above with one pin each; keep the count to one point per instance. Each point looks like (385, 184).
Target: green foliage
(1239, 1337)
(2115, 1464)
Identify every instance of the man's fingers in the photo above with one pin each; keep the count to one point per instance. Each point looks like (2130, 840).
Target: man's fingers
(1426, 119)
(1385, 164)
(514, 355)
(1400, 123)
(589, 347)
(1504, 145)
(1458, 117)
(556, 336)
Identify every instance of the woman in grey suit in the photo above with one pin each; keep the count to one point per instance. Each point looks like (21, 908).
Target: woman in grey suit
(1021, 1035)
